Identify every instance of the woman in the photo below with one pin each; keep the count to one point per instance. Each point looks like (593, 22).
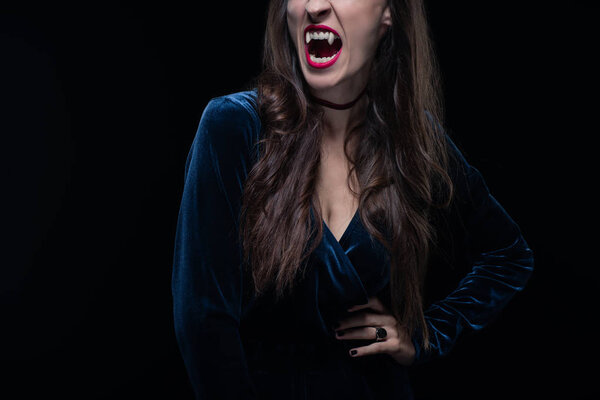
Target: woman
(330, 234)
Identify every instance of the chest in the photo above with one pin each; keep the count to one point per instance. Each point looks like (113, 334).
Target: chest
(336, 194)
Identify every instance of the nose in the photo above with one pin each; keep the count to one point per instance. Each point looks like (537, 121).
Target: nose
(318, 9)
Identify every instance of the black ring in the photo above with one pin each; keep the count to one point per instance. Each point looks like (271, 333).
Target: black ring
(380, 333)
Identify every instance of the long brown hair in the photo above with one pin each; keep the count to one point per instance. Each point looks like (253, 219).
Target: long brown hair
(401, 163)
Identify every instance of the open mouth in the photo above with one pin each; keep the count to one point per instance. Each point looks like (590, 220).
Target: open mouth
(323, 45)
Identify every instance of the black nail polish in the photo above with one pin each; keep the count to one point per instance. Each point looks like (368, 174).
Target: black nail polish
(353, 352)
(340, 333)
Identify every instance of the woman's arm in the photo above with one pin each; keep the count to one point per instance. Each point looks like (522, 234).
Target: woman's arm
(499, 263)
(207, 270)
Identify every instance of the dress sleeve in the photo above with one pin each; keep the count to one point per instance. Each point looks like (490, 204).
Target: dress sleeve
(207, 274)
(498, 263)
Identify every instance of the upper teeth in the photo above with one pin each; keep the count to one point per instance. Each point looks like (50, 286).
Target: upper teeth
(329, 36)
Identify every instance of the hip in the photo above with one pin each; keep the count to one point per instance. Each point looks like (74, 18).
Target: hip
(322, 370)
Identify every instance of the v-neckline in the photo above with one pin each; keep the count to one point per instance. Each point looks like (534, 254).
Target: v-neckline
(346, 231)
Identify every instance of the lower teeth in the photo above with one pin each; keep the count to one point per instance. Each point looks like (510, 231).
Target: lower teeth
(321, 59)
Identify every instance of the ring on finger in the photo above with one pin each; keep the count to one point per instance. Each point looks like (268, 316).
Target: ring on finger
(380, 333)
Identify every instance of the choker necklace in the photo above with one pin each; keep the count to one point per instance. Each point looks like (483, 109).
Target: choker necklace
(334, 105)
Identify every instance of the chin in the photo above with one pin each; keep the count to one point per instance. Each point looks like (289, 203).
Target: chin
(321, 84)
(322, 80)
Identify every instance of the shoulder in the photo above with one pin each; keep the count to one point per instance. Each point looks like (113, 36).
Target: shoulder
(468, 181)
(232, 109)
(458, 168)
(230, 122)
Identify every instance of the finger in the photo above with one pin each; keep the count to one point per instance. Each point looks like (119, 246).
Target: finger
(367, 319)
(363, 333)
(373, 348)
(374, 303)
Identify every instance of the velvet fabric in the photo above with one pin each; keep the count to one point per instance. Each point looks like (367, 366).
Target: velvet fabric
(236, 346)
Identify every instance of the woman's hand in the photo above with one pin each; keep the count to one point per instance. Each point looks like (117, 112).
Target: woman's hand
(361, 325)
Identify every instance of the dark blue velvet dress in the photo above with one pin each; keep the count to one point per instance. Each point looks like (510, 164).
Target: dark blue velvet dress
(237, 347)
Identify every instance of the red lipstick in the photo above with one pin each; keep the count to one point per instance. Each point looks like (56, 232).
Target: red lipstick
(322, 46)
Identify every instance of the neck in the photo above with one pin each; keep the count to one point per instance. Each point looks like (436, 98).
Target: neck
(340, 118)
(337, 106)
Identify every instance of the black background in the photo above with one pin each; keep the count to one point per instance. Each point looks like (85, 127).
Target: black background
(99, 106)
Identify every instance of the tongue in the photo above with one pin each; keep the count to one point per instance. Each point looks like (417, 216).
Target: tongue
(322, 48)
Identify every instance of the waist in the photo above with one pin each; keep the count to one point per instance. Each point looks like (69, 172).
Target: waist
(317, 355)
(292, 355)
